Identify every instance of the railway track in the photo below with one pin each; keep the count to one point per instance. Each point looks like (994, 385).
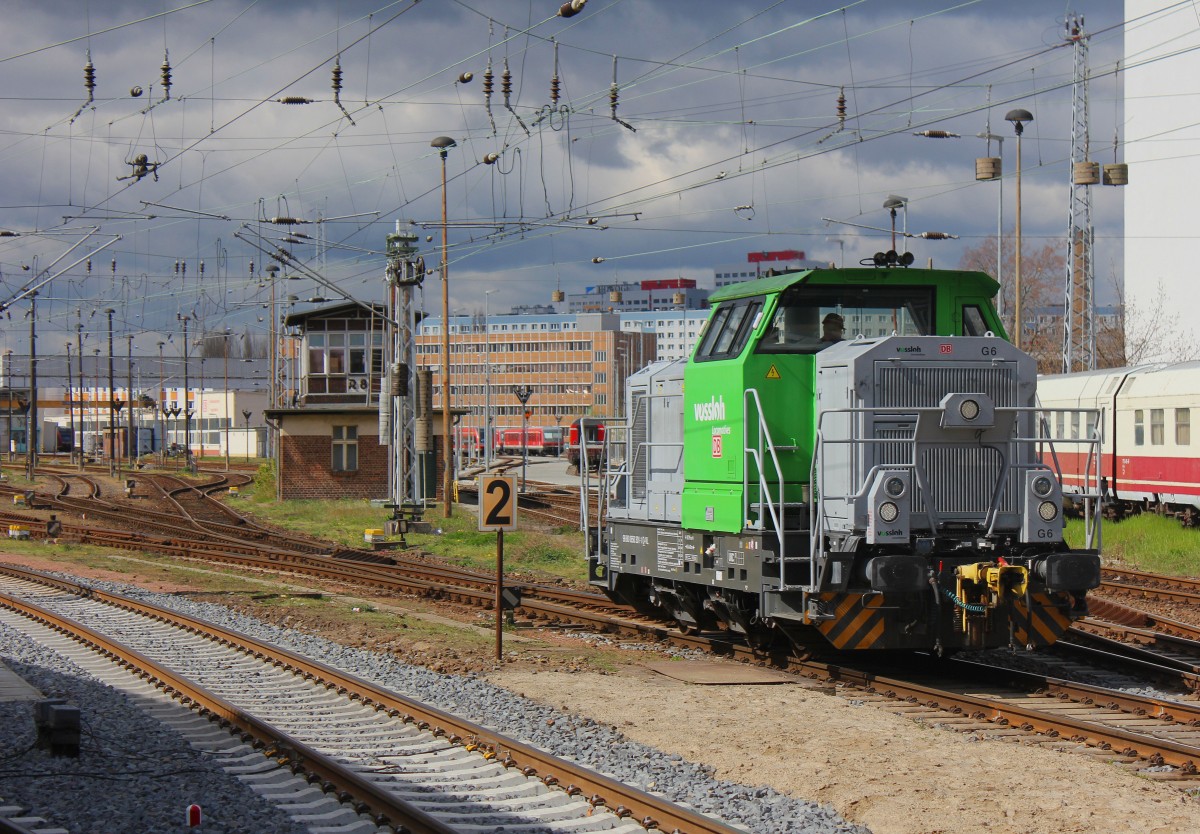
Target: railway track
(550, 605)
(392, 759)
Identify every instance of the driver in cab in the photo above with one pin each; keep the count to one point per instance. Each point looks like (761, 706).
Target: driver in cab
(833, 328)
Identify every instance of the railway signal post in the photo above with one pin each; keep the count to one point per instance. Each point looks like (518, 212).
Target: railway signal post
(523, 393)
(498, 511)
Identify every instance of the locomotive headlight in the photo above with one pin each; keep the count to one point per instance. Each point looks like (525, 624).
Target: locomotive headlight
(1048, 510)
(969, 409)
(888, 512)
(894, 487)
(1042, 486)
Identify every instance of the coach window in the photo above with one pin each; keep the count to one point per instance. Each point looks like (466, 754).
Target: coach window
(345, 449)
(1156, 427)
(1183, 427)
(1139, 428)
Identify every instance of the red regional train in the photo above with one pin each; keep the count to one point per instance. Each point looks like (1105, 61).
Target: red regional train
(1148, 460)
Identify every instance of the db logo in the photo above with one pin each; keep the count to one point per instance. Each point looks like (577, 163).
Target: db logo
(945, 349)
(716, 446)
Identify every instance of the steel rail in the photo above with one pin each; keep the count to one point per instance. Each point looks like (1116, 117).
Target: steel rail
(599, 790)
(385, 808)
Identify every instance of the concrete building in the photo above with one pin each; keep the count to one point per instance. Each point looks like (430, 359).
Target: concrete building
(575, 364)
(758, 263)
(639, 296)
(1162, 96)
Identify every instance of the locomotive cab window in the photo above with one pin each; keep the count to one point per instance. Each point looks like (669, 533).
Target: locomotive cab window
(809, 319)
(973, 321)
(729, 329)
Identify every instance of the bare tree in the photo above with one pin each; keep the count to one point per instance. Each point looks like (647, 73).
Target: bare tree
(1042, 273)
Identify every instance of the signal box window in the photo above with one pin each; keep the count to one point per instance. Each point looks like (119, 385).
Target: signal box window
(796, 324)
(345, 449)
(1156, 427)
(1139, 428)
(1183, 427)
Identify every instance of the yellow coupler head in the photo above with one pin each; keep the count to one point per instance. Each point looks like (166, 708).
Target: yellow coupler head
(1001, 580)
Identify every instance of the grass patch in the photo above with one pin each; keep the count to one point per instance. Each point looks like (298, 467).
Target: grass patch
(1145, 542)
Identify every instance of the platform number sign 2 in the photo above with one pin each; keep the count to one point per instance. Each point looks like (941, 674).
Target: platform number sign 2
(497, 502)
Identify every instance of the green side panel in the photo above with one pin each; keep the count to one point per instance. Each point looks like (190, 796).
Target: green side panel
(713, 508)
(712, 442)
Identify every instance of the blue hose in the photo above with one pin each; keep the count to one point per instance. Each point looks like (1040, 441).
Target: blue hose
(974, 609)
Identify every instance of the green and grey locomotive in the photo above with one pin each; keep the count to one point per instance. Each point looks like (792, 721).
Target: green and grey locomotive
(878, 488)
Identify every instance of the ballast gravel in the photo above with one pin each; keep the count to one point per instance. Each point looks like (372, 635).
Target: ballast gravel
(136, 777)
(133, 775)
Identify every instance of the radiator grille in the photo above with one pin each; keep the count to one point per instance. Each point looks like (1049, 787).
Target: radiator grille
(962, 479)
(921, 385)
(636, 450)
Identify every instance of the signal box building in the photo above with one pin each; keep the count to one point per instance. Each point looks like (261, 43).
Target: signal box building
(329, 444)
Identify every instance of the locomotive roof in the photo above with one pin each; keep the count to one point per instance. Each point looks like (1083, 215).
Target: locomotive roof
(980, 282)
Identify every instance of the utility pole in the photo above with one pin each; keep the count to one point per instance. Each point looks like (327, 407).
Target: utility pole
(79, 354)
(112, 405)
(70, 403)
(130, 430)
(160, 409)
(31, 433)
(187, 406)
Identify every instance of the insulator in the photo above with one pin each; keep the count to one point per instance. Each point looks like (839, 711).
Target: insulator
(183, 269)
(177, 267)
(252, 267)
(506, 83)
(491, 158)
(841, 107)
(337, 76)
(294, 100)
(554, 91)
(166, 77)
(937, 134)
(592, 221)
(937, 236)
(284, 221)
(89, 76)
(135, 91)
(89, 266)
(488, 80)
(571, 8)
(466, 78)
(114, 266)
(597, 260)
(202, 269)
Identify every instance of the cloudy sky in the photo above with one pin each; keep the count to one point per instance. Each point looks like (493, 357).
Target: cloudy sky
(725, 139)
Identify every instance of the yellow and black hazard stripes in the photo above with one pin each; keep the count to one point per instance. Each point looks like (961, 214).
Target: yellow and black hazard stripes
(1049, 620)
(859, 621)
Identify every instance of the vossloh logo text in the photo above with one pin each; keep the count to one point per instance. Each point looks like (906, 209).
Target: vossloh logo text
(714, 409)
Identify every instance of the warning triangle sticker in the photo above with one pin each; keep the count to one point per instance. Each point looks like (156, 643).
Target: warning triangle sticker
(773, 373)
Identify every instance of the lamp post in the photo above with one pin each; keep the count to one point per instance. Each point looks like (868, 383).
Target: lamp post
(523, 393)
(1018, 118)
(891, 204)
(443, 144)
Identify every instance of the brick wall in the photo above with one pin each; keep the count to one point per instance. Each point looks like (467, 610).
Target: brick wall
(304, 469)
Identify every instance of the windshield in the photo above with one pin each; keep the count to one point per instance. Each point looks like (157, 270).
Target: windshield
(811, 318)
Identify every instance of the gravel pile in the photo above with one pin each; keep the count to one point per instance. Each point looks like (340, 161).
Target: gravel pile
(132, 776)
(600, 747)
